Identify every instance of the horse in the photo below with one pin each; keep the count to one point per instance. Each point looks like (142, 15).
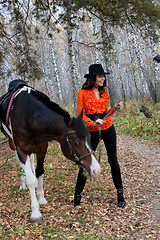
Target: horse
(34, 120)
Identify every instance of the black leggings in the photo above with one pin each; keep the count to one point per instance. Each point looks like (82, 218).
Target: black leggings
(109, 138)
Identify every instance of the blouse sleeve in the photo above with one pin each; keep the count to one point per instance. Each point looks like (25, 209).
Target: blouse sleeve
(80, 106)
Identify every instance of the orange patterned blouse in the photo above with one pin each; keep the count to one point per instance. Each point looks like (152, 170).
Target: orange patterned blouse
(88, 101)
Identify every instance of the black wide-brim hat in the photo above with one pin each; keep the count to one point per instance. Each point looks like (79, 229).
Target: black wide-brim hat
(95, 69)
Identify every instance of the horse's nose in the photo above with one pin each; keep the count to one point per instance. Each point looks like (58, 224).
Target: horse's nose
(95, 168)
(95, 173)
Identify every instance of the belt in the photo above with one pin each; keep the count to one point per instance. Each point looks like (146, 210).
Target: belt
(96, 116)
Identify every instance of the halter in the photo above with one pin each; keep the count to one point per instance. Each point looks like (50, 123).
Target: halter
(76, 158)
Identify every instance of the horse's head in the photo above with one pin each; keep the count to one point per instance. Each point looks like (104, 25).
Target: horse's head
(78, 144)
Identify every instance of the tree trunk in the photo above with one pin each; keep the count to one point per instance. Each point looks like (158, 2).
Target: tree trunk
(94, 27)
(156, 72)
(55, 74)
(145, 75)
(114, 97)
(72, 66)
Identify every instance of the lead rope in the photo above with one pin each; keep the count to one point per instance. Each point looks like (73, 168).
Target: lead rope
(113, 109)
(99, 158)
(6, 161)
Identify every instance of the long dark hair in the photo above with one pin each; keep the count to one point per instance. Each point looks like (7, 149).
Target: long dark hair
(89, 84)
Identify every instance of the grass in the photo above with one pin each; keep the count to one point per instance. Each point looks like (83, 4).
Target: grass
(130, 120)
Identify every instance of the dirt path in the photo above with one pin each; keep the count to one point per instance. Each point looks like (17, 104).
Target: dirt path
(143, 176)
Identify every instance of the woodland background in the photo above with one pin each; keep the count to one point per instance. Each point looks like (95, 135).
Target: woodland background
(50, 44)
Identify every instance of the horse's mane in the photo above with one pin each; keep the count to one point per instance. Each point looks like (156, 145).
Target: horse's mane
(77, 124)
(79, 127)
(46, 100)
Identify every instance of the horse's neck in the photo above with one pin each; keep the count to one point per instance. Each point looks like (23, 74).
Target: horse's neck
(53, 125)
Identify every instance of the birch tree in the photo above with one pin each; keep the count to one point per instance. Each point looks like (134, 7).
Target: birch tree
(72, 67)
(95, 32)
(156, 77)
(55, 73)
(132, 63)
(144, 74)
(144, 14)
(72, 62)
(106, 38)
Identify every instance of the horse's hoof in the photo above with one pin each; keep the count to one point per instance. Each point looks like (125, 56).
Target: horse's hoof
(35, 220)
(121, 204)
(121, 201)
(42, 201)
(22, 188)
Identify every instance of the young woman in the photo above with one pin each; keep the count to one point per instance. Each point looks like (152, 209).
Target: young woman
(94, 100)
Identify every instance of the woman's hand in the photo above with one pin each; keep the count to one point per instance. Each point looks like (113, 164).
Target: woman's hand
(120, 104)
(98, 122)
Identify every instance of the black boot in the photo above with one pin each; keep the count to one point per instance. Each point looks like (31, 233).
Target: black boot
(121, 202)
(81, 180)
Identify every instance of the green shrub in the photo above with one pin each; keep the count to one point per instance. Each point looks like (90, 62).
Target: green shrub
(130, 120)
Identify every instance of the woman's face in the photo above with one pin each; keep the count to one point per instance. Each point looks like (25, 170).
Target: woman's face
(99, 80)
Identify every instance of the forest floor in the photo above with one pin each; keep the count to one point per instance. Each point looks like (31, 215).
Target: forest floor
(98, 217)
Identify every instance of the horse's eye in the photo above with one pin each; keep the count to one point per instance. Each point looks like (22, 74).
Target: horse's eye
(76, 142)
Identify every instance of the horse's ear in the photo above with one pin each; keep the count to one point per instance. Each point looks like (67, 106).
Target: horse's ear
(67, 119)
(80, 116)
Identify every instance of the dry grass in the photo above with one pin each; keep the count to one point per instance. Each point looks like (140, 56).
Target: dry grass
(98, 217)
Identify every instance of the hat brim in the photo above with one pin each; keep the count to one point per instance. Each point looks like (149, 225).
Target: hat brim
(99, 73)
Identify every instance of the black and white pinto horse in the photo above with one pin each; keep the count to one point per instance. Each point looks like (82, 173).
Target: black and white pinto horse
(33, 121)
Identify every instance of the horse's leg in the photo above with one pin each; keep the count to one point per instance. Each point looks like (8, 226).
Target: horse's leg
(36, 216)
(23, 178)
(40, 175)
(40, 191)
(32, 166)
(32, 163)
(81, 181)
